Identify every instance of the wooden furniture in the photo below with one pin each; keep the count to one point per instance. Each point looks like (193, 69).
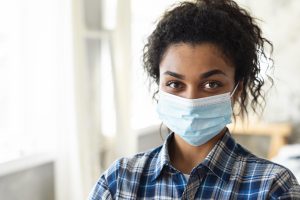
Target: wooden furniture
(278, 133)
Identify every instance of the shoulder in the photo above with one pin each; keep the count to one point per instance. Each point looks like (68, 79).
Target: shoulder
(259, 165)
(134, 164)
(279, 179)
(127, 170)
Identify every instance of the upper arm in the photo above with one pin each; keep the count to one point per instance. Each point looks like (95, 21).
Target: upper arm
(100, 190)
(285, 186)
(106, 187)
(292, 193)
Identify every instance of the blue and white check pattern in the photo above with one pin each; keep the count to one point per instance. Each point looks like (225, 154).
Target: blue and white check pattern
(228, 172)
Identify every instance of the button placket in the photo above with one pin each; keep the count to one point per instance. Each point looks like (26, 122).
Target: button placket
(193, 185)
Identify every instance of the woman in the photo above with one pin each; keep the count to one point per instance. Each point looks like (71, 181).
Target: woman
(204, 57)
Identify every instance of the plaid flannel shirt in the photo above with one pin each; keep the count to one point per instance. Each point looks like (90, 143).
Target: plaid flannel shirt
(228, 172)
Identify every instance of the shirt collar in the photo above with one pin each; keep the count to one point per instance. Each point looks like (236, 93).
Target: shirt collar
(222, 157)
(163, 158)
(220, 160)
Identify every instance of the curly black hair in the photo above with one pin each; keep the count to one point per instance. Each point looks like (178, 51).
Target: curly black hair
(223, 23)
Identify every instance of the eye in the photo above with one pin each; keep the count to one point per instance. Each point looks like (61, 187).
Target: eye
(212, 85)
(174, 84)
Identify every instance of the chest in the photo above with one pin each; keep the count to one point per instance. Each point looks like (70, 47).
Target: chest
(209, 186)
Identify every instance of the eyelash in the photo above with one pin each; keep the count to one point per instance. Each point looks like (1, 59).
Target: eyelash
(218, 83)
(173, 82)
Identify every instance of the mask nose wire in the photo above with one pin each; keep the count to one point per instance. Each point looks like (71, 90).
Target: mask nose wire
(232, 93)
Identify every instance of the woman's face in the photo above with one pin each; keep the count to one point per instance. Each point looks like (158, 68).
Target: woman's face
(195, 71)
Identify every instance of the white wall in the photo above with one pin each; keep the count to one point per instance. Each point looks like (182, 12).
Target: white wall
(280, 23)
(36, 183)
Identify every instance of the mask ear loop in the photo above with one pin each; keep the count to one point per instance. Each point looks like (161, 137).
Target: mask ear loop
(232, 93)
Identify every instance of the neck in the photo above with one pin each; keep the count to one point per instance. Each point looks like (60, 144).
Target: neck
(185, 157)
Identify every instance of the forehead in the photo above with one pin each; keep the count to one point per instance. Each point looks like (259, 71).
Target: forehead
(185, 58)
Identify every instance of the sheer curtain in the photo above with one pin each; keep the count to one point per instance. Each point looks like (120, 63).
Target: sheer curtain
(37, 94)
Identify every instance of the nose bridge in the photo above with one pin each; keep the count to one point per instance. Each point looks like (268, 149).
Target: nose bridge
(192, 92)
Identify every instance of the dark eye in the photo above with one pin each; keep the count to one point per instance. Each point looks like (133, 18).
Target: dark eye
(212, 85)
(174, 84)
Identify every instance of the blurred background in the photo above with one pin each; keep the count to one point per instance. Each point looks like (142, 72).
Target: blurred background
(74, 97)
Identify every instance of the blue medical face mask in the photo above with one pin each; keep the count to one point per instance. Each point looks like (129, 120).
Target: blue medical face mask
(195, 120)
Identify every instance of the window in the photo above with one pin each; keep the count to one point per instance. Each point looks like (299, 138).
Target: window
(29, 81)
(144, 15)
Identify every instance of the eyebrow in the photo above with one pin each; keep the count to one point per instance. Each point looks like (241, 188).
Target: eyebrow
(211, 73)
(204, 75)
(179, 76)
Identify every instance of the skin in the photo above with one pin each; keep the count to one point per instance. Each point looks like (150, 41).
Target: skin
(195, 71)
